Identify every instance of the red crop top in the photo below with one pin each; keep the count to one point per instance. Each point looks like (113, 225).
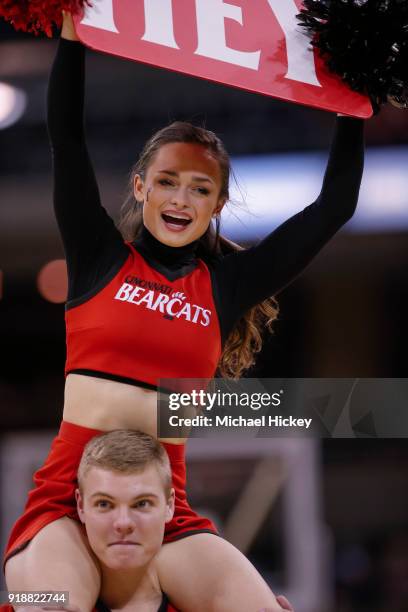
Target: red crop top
(141, 327)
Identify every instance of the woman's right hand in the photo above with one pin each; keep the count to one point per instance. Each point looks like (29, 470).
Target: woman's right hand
(68, 29)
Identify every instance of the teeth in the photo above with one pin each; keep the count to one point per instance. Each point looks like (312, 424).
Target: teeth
(177, 217)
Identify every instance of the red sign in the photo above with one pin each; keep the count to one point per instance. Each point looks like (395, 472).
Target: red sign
(251, 44)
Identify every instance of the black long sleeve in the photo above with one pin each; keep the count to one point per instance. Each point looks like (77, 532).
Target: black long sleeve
(95, 249)
(248, 277)
(93, 245)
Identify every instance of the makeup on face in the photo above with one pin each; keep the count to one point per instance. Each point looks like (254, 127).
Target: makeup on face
(180, 193)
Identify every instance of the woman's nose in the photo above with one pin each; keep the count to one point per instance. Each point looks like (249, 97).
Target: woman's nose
(180, 197)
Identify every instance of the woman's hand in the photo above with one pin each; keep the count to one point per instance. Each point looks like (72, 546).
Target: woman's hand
(68, 29)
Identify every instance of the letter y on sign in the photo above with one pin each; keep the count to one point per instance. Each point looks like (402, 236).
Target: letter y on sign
(252, 44)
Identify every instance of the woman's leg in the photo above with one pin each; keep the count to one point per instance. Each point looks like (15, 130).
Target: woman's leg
(205, 573)
(58, 558)
(202, 572)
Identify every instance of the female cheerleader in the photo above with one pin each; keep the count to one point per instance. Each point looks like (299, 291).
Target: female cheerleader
(173, 302)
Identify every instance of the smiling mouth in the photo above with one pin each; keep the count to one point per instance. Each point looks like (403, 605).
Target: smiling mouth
(179, 221)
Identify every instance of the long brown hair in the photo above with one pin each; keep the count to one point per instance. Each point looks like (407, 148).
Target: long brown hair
(245, 340)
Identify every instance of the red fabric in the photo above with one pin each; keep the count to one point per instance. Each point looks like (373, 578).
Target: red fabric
(185, 521)
(37, 15)
(53, 496)
(130, 327)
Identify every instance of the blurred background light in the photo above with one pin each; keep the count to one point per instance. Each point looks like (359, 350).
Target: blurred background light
(52, 281)
(271, 188)
(13, 103)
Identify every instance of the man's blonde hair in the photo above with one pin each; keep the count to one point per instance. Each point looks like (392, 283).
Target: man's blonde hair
(125, 451)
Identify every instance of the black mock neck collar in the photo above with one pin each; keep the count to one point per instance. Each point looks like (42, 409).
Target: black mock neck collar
(172, 258)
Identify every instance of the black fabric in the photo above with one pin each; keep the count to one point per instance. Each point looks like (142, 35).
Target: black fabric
(100, 606)
(164, 604)
(173, 263)
(121, 379)
(92, 244)
(95, 249)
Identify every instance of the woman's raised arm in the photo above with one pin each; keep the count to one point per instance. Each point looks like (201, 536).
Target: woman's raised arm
(248, 277)
(68, 28)
(91, 241)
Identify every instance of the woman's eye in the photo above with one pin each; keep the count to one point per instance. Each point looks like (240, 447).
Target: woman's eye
(203, 191)
(165, 182)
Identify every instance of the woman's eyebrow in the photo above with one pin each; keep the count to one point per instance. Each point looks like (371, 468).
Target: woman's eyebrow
(199, 179)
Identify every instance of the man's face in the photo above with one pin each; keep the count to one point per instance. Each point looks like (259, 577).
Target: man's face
(124, 515)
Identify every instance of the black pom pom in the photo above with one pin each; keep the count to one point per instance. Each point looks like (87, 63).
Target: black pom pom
(365, 42)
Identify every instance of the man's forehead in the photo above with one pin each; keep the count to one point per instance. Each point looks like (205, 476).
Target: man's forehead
(144, 481)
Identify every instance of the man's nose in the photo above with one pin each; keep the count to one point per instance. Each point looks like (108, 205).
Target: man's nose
(123, 521)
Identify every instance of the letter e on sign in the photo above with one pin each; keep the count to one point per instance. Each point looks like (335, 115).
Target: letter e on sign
(251, 44)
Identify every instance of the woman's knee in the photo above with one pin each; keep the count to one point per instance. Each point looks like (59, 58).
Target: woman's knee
(204, 572)
(58, 558)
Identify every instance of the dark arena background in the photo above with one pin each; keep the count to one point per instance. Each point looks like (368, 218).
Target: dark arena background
(325, 522)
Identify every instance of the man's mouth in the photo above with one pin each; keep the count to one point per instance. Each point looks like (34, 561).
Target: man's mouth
(123, 543)
(176, 222)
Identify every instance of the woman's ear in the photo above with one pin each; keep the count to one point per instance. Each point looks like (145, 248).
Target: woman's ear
(138, 188)
(219, 207)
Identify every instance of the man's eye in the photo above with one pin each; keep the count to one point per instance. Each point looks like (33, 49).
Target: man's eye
(143, 503)
(103, 504)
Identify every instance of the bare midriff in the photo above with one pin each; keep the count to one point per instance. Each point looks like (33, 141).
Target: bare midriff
(106, 405)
